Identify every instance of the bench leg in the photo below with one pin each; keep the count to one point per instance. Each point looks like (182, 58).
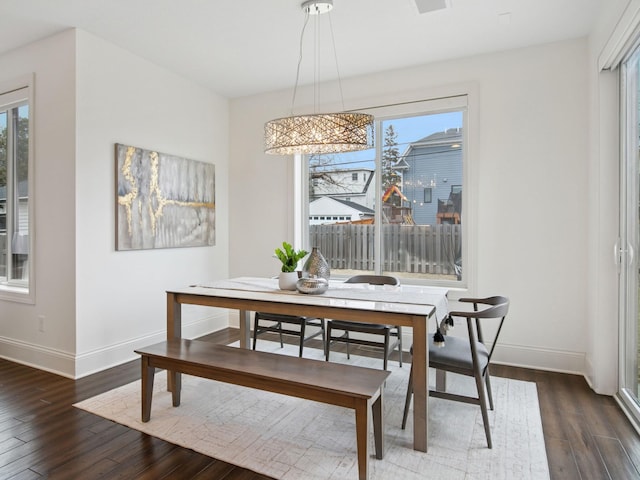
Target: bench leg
(176, 379)
(147, 376)
(378, 426)
(362, 437)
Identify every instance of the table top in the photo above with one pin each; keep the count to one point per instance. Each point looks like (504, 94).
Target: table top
(404, 299)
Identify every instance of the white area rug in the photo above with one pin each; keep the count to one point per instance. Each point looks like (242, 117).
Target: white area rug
(289, 438)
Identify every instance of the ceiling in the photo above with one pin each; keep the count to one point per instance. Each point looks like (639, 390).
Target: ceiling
(244, 47)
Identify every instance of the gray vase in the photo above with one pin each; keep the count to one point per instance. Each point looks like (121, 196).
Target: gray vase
(316, 265)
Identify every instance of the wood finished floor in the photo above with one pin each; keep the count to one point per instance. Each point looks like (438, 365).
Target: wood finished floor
(43, 436)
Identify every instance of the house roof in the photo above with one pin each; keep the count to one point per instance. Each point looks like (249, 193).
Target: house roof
(355, 206)
(451, 135)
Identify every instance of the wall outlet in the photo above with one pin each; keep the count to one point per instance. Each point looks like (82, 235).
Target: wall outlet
(41, 323)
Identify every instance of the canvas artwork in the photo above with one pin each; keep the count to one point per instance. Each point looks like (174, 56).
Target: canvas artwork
(163, 201)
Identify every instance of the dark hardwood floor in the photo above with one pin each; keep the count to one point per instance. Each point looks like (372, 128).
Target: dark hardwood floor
(43, 436)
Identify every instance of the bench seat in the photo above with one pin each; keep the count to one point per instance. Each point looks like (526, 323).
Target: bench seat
(343, 385)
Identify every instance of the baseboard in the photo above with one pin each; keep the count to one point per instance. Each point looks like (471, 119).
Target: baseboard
(526, 356)
(539, 358)
(506, 354)
(37, 356)
(81, 365)
(101, 359)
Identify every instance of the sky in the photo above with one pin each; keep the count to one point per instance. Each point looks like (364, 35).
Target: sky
(408, 129)
(23, 111)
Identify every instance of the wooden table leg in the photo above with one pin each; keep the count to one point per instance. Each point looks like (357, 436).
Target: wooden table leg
(245, 329)
(420, 384)
(378, 425)
(174, 330)
(363, 409)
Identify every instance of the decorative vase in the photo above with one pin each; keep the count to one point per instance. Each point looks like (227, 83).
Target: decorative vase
(287, 280)
(312, 285)
(316, 265)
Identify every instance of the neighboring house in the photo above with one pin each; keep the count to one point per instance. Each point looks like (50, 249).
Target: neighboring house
(431, 176)
(431, 183)
(333, 210)
(3, 210)
(23, 208)
(20, 240)
(353, 185)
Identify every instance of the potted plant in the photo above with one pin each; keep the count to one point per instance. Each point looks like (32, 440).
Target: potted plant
(289, 258)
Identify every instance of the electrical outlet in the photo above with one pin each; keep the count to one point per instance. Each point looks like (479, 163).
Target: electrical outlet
(41, 323)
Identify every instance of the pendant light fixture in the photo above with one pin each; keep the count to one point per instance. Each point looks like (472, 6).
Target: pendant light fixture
(318, 132)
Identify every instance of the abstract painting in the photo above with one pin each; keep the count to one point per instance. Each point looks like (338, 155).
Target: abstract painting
(163, 201)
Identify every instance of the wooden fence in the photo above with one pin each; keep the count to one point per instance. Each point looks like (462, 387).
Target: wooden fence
(425, 249)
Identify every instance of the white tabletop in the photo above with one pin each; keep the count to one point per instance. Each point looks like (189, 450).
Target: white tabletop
(412, 299)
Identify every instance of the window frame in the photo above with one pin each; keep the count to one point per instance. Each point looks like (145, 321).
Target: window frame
(428, 195)
(20, 91)
(446, 99)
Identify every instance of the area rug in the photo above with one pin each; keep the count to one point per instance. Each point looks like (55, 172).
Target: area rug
(291, 439)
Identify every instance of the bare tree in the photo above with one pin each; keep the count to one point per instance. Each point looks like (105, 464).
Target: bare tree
(22, 151)
(320, 173)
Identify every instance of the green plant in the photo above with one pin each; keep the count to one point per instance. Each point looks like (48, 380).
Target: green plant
(289, 257)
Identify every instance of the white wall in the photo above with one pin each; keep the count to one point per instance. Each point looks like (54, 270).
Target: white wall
(545, 198)
(100, 304)
(121, 302)
(529, 114)
(53, 62)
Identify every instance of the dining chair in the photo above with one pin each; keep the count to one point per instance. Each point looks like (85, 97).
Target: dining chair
(387, 331)
(273, 322)
(468, 355)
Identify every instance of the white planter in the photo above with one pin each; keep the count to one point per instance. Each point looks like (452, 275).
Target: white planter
(287, 280)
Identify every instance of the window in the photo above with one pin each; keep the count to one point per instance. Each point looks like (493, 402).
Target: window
(402, 230)
(354, 177)
(16, 202)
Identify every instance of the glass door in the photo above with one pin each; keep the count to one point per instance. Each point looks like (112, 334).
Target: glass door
(628, 246)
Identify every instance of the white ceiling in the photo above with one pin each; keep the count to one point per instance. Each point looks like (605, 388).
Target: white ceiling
(242, 47)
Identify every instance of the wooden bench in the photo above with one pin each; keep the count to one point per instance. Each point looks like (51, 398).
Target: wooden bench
(342, 385)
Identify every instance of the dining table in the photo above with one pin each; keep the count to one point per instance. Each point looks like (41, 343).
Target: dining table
(404, 305)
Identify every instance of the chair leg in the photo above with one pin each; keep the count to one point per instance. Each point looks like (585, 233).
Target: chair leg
(488, 383)
(327, 343)
(346, 334)
(482, 396)
(280, 328)
(255, 329)
(399, 330)
(407, 401)
(386, 349)
(302, 329)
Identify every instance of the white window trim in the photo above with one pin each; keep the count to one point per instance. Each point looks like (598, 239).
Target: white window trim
(443, 100)
(15, 91)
